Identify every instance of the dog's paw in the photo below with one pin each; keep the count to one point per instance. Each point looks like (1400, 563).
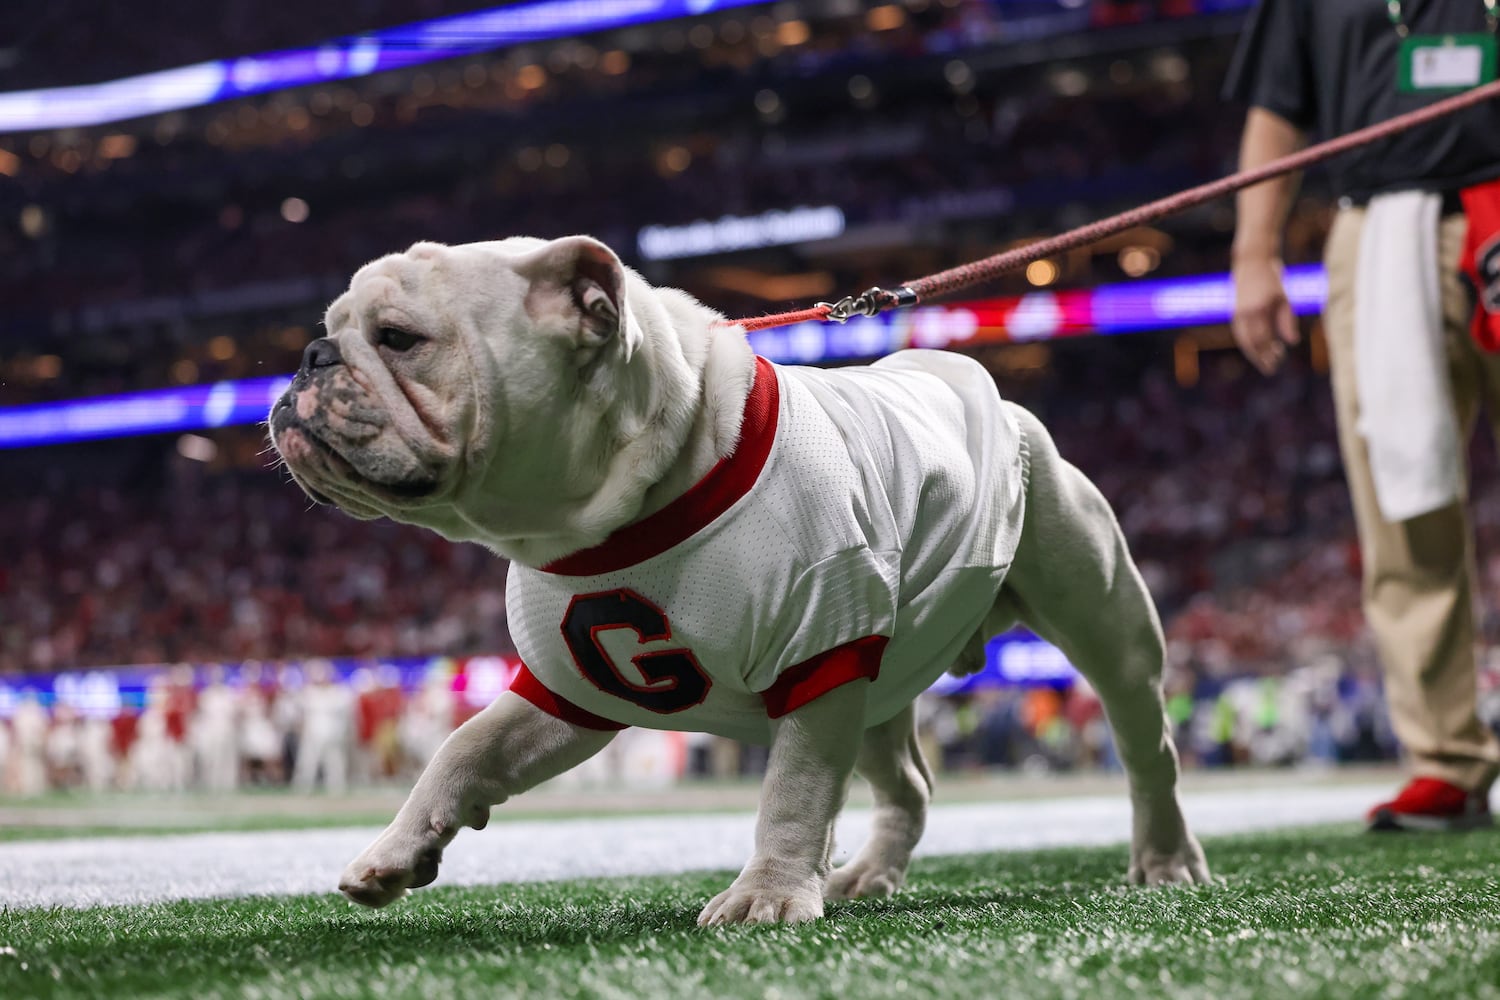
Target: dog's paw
(864, 879)
(1162, 849)
(746, 902)
(381, 875)
(1184, 865)
(407, 853)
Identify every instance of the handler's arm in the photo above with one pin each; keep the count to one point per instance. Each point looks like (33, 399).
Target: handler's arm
(1263, 319)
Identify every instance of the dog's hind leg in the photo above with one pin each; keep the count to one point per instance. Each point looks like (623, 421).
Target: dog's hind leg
(890, 759)
(1074, 583)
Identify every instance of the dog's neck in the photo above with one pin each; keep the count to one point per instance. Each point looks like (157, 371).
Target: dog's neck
(675, 411)
(724, 382)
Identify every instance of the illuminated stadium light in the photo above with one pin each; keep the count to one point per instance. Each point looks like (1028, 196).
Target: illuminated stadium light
(294, 210)
(197, 448)
(191, 408)
(1138, 261)
(33, 220)
(792, 33)
(1042, 272)
(733, 232)
(342, 59)
(1041, 315)
(885, 17)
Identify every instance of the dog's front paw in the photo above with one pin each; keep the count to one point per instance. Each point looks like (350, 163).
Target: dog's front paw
(865, 878)
(1163, 851)
(1184, 866)
(752, 900)
(407, 853)
(386, 871)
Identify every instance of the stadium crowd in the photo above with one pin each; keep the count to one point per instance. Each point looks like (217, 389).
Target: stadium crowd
(157, 244)
(1229, 490)
(201, 246)
(229, 567)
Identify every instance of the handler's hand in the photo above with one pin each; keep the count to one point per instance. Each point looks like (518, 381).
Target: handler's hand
(1264, 323)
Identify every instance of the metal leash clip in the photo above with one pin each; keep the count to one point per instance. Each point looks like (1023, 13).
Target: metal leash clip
(870, 302)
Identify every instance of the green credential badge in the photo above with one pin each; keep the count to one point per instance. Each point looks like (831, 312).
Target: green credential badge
(1435, 63)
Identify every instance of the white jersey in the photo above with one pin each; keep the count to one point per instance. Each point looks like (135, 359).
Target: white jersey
(861, 529)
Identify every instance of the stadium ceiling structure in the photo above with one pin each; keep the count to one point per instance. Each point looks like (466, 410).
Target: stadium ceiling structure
(341, 59)
(420, 42)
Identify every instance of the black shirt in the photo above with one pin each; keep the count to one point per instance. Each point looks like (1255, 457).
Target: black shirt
(1329, 67)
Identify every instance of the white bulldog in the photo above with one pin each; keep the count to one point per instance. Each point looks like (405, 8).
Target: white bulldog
(543, 400)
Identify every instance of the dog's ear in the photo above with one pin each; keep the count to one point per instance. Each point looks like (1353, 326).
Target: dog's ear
(592, 280)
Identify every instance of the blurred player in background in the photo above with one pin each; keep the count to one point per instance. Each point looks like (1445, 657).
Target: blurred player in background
(428, 719)
(378, 713)
(157, 762)
(261, 742)
(96, 754)
(327, 740)
(1411, 358)
(62, 749)
(215, 734)
(29, 731)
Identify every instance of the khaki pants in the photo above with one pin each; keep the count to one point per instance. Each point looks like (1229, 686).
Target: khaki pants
(1419, 576)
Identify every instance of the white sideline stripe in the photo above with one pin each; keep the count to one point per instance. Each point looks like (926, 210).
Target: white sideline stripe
(131, 870)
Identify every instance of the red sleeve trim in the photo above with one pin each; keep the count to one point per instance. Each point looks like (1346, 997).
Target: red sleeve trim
(811, 679)
(527, 686)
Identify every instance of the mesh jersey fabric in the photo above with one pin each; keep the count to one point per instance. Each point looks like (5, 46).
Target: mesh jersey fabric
(888, 504)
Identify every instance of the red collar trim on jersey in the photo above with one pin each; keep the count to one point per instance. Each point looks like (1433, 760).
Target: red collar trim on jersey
(696, 509)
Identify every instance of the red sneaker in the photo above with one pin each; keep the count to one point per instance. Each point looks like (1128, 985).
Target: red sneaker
(1431, 804)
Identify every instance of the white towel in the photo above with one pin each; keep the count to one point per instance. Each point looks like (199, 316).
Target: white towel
(1406, 412)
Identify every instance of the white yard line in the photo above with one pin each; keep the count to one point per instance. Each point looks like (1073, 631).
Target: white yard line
(113, 870)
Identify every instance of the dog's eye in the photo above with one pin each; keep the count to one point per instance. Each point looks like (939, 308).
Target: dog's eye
(396, 339)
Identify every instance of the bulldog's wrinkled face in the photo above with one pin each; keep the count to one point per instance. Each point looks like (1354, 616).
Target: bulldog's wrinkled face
(404, 402)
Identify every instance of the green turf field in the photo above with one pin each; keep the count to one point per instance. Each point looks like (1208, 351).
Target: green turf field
(1326, 913)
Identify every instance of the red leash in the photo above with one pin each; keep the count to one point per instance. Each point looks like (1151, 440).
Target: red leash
(878, 300)
(818, 312)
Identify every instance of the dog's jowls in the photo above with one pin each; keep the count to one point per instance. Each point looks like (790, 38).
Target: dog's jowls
(700, 539)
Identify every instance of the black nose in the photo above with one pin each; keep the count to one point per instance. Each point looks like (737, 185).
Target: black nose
(320, 354)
